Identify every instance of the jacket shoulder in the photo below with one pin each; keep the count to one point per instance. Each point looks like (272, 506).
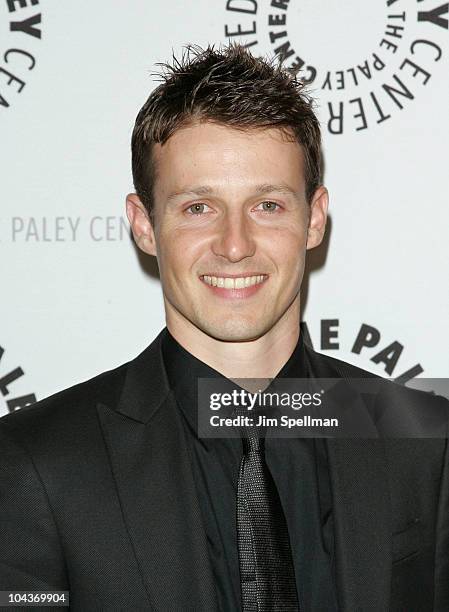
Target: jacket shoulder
(388, 391)
(68, 406)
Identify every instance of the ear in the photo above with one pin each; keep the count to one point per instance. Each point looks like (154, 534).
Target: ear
(141, 226)
(318, 217)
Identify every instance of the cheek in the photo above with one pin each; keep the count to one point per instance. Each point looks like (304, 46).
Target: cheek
(179, 253)
(287, 245)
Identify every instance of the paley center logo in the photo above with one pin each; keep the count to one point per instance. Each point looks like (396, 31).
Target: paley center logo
(8, 378)
(20, 23)
(367, 339)
(363, 61)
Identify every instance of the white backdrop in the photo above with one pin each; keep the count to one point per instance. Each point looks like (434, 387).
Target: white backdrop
(75, 297)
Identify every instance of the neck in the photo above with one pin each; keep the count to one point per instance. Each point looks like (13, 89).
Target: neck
(260, 358)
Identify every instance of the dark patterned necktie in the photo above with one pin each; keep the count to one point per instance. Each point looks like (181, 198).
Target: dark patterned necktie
(267, 575)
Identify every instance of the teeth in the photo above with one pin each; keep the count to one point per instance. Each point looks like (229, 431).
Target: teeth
(233, 283)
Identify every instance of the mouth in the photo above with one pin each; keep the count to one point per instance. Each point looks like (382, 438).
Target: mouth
(234, 282)
(234, 286)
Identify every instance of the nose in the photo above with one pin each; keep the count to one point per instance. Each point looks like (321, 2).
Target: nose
(235, 240)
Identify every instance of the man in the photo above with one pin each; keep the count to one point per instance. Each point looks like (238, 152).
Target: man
(108, 491)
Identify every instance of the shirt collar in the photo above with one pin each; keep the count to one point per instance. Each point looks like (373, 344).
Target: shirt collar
(183, 369)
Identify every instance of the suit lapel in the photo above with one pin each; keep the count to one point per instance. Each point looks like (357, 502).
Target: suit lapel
(150, 463)
(358, 472)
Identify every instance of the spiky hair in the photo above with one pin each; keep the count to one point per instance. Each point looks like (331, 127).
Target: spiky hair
(229, 86)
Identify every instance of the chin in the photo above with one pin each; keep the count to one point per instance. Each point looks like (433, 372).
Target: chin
(234, 330)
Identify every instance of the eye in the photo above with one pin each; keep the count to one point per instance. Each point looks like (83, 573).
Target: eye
(269, 206)
(197, 208)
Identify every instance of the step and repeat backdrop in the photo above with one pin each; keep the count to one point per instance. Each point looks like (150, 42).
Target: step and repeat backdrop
(77, 298)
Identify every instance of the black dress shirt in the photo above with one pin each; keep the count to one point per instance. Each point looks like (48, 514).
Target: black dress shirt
(299, 469)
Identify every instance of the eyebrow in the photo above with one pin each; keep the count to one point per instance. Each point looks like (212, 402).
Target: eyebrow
(201, 190)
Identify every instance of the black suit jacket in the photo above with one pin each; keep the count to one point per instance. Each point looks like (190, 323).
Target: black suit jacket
(97, 497)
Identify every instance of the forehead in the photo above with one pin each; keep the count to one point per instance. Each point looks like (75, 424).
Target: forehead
(227, 158)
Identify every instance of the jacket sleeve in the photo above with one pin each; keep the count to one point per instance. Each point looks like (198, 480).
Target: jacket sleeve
(31, 557)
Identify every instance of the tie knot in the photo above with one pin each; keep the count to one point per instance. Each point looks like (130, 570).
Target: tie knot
(252, 435)
(252, 442)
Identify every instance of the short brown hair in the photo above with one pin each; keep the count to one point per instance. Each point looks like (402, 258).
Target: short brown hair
(228, 86)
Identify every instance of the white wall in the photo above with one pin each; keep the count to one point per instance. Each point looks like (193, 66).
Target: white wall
(75, 299)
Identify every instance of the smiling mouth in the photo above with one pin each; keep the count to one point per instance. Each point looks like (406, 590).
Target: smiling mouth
(239, 282)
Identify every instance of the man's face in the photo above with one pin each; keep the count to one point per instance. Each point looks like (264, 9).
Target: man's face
(232, 227)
